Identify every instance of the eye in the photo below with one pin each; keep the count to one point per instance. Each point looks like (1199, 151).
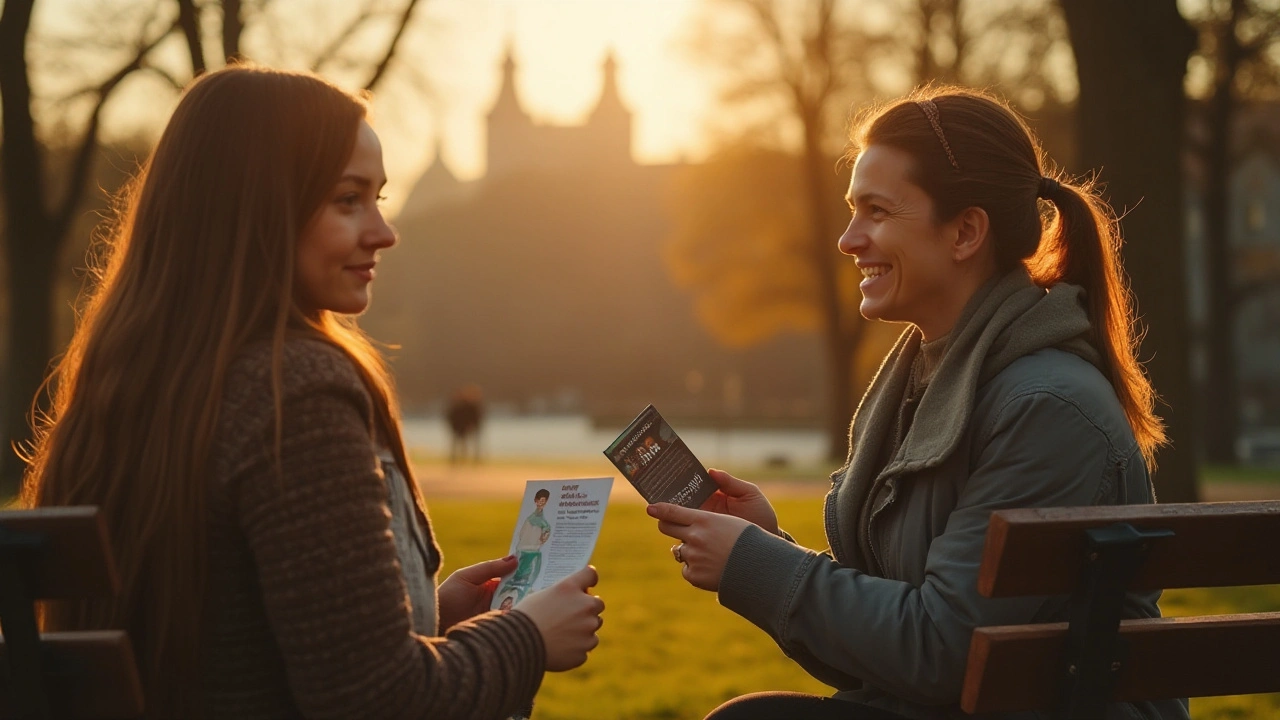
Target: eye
(348, 200)
(878, 212)
(381, 199)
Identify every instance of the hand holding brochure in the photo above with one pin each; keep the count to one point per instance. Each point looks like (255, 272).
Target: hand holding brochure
(659, 464)
(555, 534)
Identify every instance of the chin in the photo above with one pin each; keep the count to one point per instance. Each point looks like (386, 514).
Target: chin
(353, 306)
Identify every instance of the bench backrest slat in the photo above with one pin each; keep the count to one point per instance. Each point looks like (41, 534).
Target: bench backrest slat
(1040, 551)
(89, 675)
(1017, 667)
(75, 563)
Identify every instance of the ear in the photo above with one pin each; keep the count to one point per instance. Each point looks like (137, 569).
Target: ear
(973, 233)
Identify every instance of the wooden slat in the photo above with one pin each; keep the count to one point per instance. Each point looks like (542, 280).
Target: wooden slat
(88, 675)
(77, 562)
(1040, 551)
(1017, 667)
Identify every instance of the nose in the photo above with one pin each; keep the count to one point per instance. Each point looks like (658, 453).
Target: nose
(853, 241)
(381, 234)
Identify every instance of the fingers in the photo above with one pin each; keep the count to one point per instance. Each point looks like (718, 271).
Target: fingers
(481, 573)
(729, 484)
(679, 532)
(588, 626)
(675, 514)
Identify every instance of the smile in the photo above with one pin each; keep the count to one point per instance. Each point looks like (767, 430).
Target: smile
(874, 271)
(364, 271)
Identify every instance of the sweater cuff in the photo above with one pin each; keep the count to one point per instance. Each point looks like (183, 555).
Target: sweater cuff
(520, 645)
(761, 576)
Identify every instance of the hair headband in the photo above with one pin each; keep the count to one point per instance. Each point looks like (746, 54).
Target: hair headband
(930, 111)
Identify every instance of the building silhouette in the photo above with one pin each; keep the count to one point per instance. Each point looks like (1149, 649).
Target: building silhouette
(543, 282)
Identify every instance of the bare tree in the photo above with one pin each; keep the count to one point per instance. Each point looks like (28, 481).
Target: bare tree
(37, 225)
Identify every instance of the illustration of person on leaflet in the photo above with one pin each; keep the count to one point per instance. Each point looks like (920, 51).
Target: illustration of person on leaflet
(534, 533)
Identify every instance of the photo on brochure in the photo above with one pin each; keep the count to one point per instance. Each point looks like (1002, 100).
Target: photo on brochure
(556, 532)
(658, 463)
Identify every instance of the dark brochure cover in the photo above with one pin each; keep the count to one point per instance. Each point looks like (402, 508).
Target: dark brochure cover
(659, 464)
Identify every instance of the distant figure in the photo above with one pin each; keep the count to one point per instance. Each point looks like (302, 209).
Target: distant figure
(465, 413)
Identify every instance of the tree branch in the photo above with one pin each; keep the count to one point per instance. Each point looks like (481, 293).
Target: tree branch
(331, 50)
(232, 28)
(165, 75)
(189, 20)
(392, 46)
(84, 155)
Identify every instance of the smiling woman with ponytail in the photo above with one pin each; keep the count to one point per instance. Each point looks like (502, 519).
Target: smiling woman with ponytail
(1015, 384)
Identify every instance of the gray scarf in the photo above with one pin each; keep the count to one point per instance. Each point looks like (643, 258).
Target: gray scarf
(1007, 318)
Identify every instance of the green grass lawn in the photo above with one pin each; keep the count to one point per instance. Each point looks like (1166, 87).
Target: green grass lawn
(1224, 473)
(670, 651)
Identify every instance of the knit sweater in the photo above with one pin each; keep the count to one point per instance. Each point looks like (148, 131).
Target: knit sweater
(308, 611)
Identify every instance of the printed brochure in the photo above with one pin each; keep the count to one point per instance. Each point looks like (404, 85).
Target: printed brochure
(658, 463)
(555, 534)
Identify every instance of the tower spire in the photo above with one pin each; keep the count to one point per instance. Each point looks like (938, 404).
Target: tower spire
(610, 100)
(508, 103)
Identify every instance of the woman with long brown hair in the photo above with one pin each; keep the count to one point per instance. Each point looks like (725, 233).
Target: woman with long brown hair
(241, 436)
(1015, 384)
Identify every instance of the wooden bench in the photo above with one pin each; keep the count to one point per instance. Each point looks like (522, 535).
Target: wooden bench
(57, 554)
(1094, 555)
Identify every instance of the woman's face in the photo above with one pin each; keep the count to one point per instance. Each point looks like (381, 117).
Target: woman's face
(338, 249)
(905, 255)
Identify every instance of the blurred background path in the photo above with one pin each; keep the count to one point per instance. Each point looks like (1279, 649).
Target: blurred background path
(504, 478)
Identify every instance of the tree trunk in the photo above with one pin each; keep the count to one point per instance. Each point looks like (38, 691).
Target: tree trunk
(841, 349)
(824, 257)
(1131, 59)
(1220, 393)
(31, 262)
(189, 19)
(232, 28)
(27, 226)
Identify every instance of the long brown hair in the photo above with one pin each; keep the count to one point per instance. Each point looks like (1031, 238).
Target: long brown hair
(199, 262)
(970, 149)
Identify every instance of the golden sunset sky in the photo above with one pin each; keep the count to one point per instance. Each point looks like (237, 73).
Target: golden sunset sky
(454, 51)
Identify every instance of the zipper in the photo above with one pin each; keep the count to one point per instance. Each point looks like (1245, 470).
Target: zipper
(871, 523)
(833, 532)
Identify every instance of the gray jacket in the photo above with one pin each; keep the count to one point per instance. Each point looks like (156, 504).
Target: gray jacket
(1017, 415)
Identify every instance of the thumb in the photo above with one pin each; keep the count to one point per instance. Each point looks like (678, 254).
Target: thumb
(583, 579)
(730, 485)
(481, 573)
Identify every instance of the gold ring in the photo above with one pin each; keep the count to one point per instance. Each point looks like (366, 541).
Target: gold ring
(678, 552)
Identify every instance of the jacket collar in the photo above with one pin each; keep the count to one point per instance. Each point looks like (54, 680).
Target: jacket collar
(1007, 318)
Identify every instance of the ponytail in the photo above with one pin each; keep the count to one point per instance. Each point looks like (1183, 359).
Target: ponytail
(1081, 246)
(945, 129)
